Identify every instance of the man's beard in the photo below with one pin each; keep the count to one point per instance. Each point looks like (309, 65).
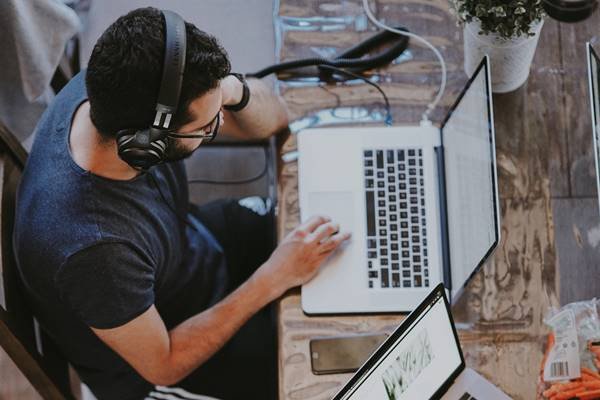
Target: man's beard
(176, 151)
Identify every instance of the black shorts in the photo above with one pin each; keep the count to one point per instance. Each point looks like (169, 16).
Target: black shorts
(246, 367)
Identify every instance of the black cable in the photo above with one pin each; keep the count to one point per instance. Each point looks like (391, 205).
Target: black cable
(388, 118)
(350, 58)
(238, 182)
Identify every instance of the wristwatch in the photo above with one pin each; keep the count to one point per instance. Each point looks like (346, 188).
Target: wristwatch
(245, 94)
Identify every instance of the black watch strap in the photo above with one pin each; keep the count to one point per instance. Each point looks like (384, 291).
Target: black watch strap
(245, 94)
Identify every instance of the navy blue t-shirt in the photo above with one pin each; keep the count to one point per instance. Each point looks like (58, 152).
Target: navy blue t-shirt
(96, 252)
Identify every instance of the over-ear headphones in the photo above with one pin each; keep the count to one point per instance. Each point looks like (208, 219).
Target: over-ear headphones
(147, 147)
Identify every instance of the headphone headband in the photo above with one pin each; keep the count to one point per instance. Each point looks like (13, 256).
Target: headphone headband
(147, 147)
(173, 67)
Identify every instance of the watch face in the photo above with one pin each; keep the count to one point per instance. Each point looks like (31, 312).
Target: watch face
(569, 10)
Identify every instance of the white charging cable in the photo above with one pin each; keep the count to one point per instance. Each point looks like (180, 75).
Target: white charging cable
(431, 106)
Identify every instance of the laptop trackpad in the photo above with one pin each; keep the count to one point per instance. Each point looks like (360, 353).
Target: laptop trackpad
(339, 206)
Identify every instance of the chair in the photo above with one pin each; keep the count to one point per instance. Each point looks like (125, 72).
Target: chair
(20, 336)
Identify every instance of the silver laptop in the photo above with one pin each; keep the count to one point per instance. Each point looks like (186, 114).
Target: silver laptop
(421, 203)
(594, 80)
(422, 360)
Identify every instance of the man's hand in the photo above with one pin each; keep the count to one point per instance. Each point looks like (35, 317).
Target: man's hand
(297, 258)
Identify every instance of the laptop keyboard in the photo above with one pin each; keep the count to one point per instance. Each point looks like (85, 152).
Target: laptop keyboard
(467, 396)
(396, 229)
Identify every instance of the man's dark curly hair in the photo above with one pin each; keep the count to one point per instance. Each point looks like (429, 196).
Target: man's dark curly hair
(125, 70)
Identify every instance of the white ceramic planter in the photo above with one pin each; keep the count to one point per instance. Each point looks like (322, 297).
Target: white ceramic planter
(510, 58)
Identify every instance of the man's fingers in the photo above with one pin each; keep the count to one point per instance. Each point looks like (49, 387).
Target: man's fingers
(314, 222)
(334, 242)
(323, 232)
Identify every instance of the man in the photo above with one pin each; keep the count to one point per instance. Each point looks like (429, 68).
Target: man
(137, 287)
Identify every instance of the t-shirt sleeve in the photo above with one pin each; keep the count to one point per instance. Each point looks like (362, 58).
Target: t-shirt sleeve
(107, 284)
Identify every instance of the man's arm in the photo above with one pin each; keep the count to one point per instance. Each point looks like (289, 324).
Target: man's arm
(265, 114)
(165, 357)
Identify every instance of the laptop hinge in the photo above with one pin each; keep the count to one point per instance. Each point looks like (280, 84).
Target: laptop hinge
(446, 274)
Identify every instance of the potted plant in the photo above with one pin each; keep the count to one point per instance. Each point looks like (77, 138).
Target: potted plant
(506, 30)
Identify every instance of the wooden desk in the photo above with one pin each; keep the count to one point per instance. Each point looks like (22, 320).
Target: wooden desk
(501, 322)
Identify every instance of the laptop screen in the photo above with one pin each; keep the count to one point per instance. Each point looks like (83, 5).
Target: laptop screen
(594, 78)
(470, 175)
(415, 362)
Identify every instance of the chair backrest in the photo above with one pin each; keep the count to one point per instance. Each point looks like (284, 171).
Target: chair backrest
(20, 336)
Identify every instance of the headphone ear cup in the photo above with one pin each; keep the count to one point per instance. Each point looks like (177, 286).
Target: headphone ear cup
(139, 149)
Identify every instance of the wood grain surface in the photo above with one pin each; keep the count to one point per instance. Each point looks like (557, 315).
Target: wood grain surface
(501, 320)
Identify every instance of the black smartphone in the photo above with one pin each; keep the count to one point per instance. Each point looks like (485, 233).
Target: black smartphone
(339, 354)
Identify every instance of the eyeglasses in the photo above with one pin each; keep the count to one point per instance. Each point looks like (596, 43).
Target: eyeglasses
(208, 134)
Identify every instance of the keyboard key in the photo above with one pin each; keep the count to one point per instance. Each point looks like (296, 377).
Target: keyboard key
(405, 244)
(370, 284)
(384, 261)
(384, 278)
(406, 283)
(411, 161)
(392, 188)
(411, 152)
(390, 170)
(368, 172)
(394, 236)
(381, 213)
(393, 227)
(426, 283)
(414, 200)
(383, 252)
(369, 183)
(368, 153)
(380, 174)
(391, 179)
(404, 215)
(414, 210)
(394, 256)
(401, 167)
(400, 154)
(371, 243)
(416, 268)
(368, 163)
(382, 222)
(402, 186)
(416, 239)
(412, 181)
(406, 264)
(381, 193)
(370, 213)
(417, 279)
(382, 232)
(415, 229)
(402, 195)
(379, 159)
(370, 264)
(392, 198)
(393, 217)
(395, 266)
(372, 254)
(394, 246)
(401, 176)
(373, 274)
(413, 190)
(412, 171)
(414, 219)
(390, 156)
(395, 280)
(383, 242)
(426, 272)
(380, 184)
(420, 152)
(405, 254)
(404, 234)
(416, 258)
(416, 249)
(406, 274)
(381, 203)
(403, 205)
(392, 207)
